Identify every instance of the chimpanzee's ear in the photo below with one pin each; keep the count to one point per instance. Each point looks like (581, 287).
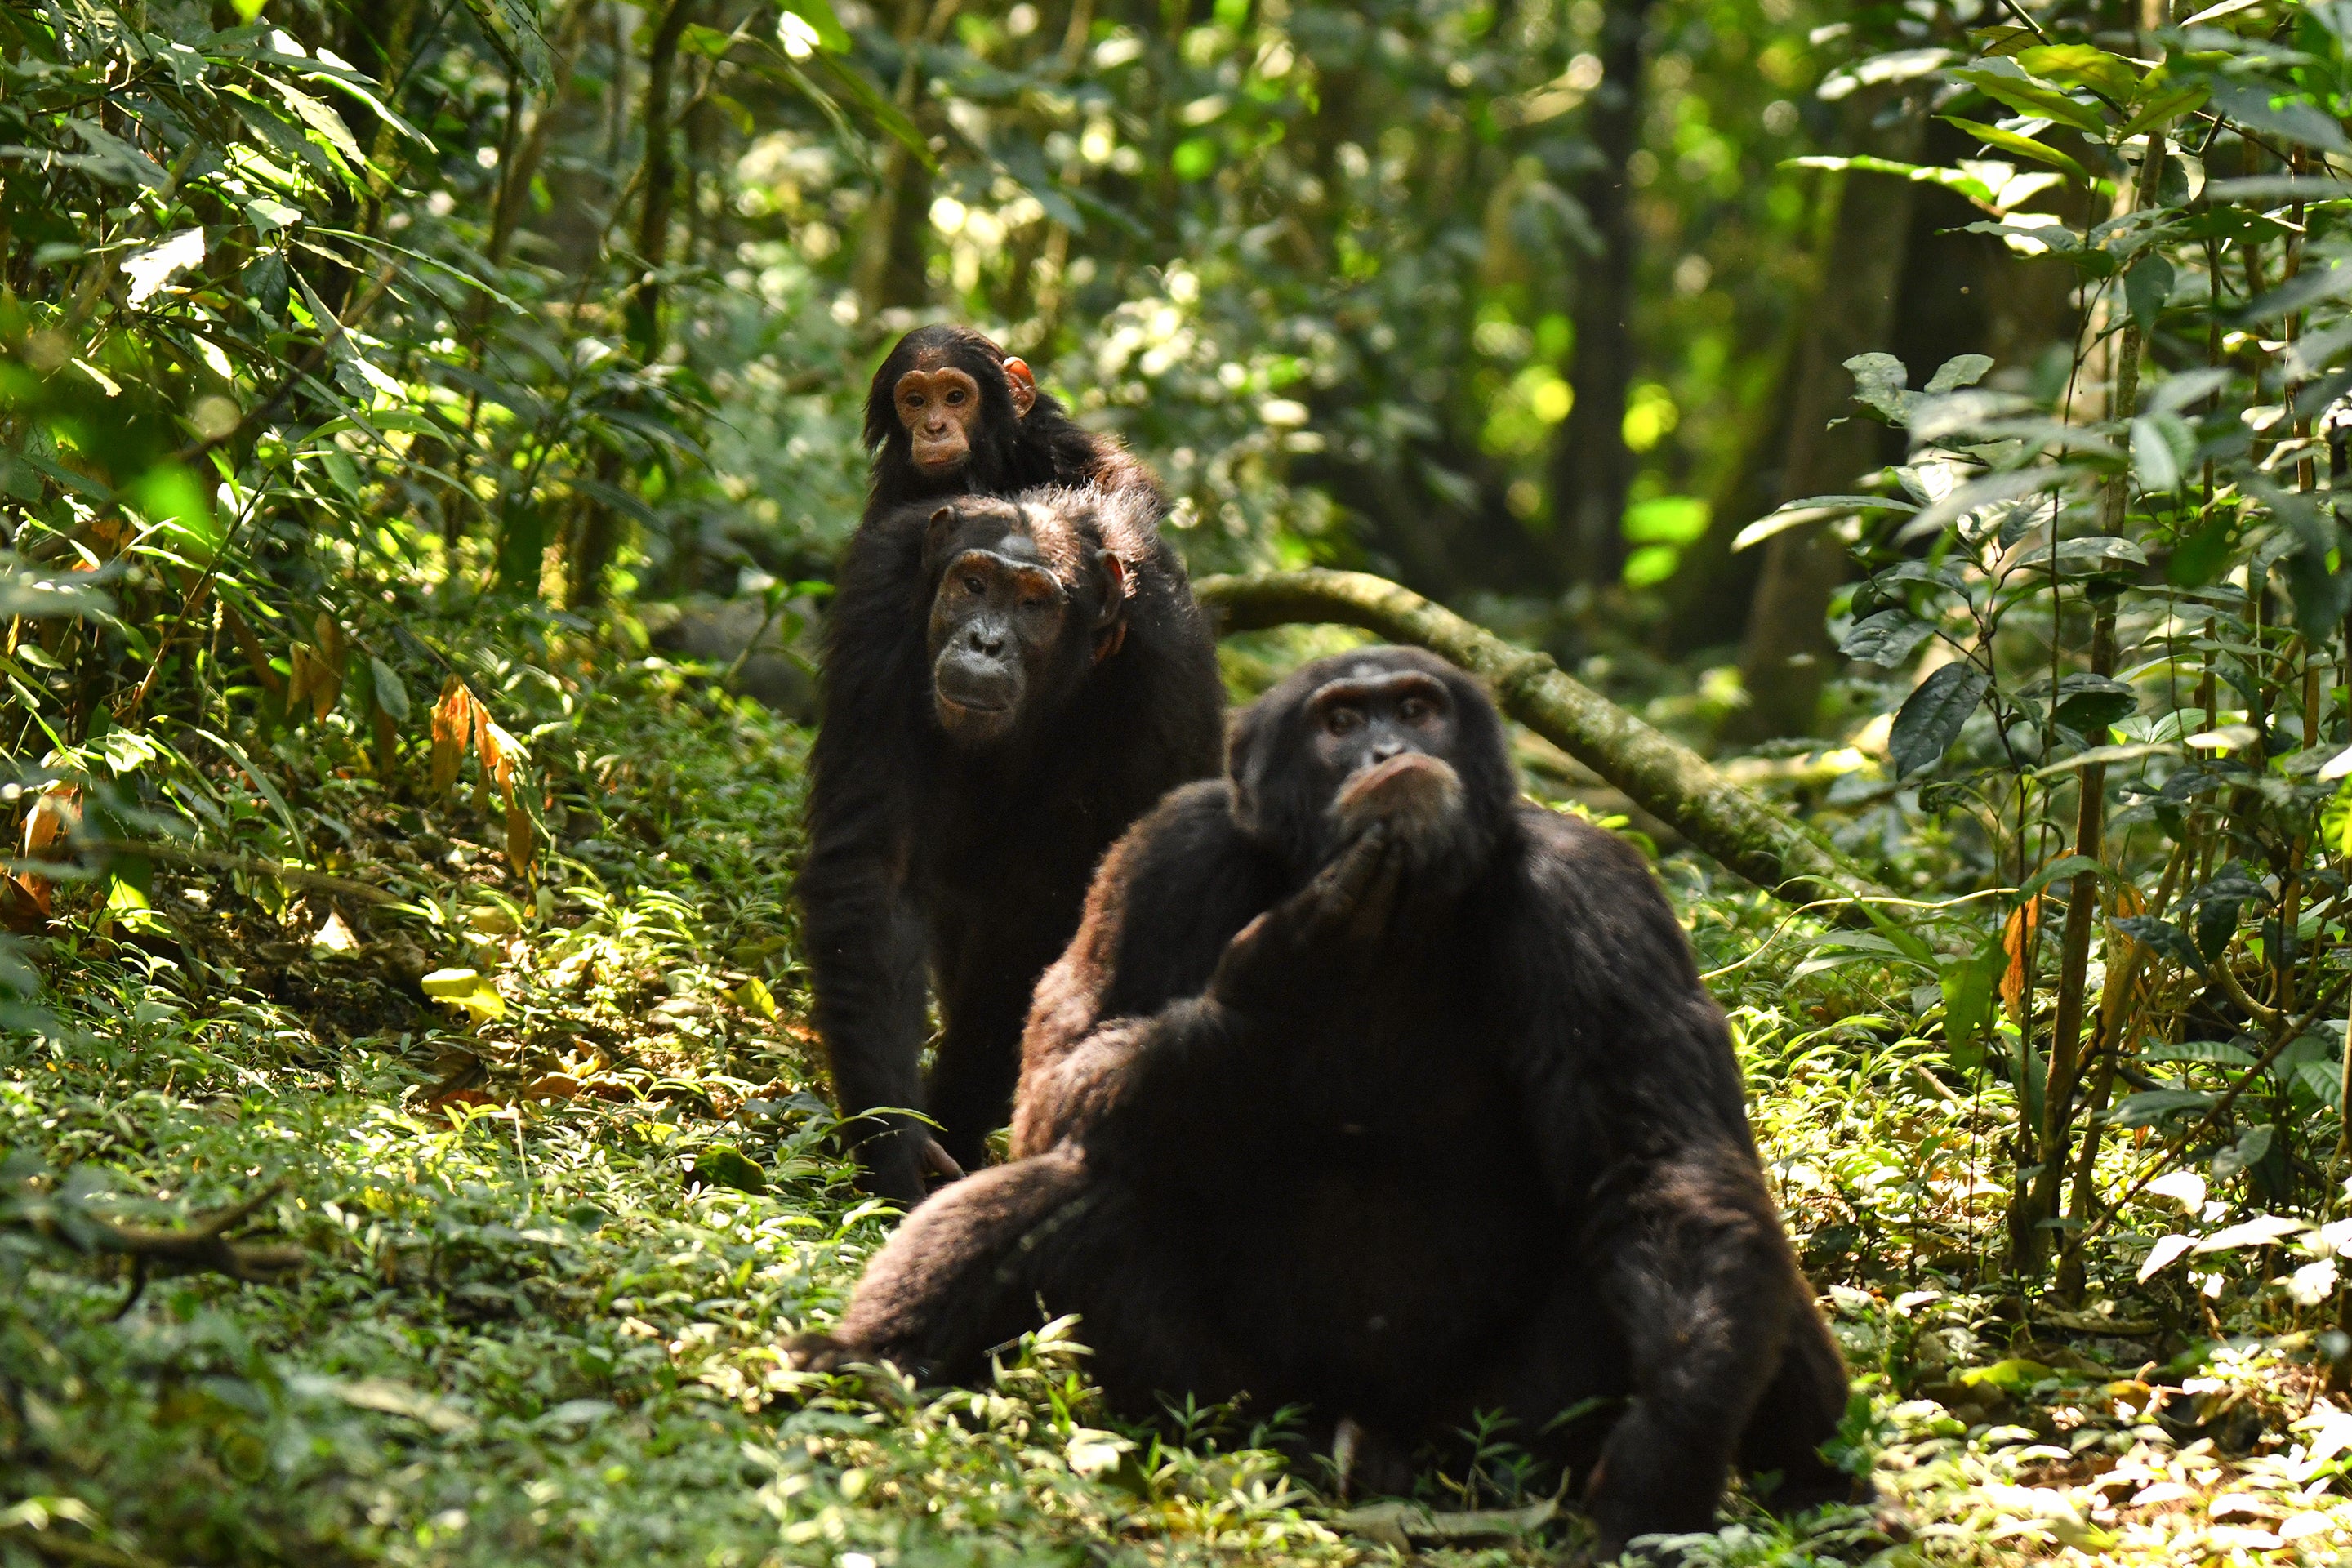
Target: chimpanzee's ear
(1021, 385)
(1110, 620)
(936, 532)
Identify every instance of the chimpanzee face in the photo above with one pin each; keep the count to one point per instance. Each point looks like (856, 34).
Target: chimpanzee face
(939, 402)
(1392, 736)
(1383, 740)
(939, 408)
(1007, 632)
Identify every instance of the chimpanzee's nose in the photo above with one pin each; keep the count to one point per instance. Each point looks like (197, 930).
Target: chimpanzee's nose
(984, 640)
(1385, 747)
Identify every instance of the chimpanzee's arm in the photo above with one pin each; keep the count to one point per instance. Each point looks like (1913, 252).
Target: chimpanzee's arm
(864, 937)
(1635, 1094)
(1162, 909)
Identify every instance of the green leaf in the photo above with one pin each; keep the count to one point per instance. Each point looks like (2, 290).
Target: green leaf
(2008, 1376)
(477, 994)
(2029, 97)
(2024, 146)
(2163, 108)
(1970, 983)
(2215, 1053)
(2081, 65)
(1930, 718)
(1969, 186)
(2146, 288)
(1886, 639)
(2065, 868)
(1959, 371)
(2152, 1106)
(2090, 704)
(725, 1165)
(831, 35)
(2324, 1080)
(2157, 456)
(390, 694)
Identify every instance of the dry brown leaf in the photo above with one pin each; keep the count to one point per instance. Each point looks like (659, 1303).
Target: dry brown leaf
(298, 685)
(387, 747)
(519, 836)
(2017, 940)
(26, 904)
(453, 726)
(250, 646)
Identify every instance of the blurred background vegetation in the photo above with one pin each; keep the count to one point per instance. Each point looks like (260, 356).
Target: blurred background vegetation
(424, 424)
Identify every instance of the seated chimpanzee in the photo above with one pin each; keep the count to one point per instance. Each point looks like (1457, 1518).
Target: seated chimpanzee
(1007, 685)
(1369, 1086)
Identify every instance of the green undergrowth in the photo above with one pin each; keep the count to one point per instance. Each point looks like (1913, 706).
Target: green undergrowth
(555, 1219)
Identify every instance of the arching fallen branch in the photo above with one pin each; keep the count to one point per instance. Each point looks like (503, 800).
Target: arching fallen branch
(1663, 776)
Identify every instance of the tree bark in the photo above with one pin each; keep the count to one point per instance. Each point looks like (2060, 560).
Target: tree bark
(1659, 773)
(1786, 655)
(1591, 468)
(660, 180)
(892, 256)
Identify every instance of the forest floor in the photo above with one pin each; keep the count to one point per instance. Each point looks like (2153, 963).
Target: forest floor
(555, 1223)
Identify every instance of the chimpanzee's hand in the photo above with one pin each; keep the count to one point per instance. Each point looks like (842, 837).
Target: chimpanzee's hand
(1323, 931)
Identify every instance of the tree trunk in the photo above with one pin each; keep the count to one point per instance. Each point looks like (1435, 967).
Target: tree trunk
(1786, 655)
(1591, 468)
(1663, 777)
(660, 181)
(893, 253)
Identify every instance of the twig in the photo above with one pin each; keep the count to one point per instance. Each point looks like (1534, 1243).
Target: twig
(201, 1247)
(254, 865)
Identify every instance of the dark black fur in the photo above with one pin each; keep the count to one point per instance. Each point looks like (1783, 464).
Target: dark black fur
(1010, 454)
(972, 864)
(1491, 1154)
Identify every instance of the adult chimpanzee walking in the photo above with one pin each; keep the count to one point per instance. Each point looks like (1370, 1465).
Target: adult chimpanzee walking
(1006, 687)
(1367, 1086)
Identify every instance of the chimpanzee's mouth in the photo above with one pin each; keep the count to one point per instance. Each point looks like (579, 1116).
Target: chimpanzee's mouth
(967, 705)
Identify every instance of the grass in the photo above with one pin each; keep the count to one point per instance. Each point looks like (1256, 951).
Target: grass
(554, 1238)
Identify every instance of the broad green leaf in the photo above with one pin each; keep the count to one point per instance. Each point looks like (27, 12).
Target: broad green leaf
(1960, 180)
(2221, 1053)
(2148, 286)
(2063, 868)
(2324, 1080)
(1931, 717)
(2024, 146)
(1886, 639)
(1959, 371)
(390, 694)
(2163, 108)
(2008, 1376)
(2083, 65)
(2150, 1107)
(2029, 97)
(1970, 983)
(477, 994)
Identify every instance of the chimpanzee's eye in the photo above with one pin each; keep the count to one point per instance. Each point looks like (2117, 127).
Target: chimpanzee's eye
(955, 396)
(1340, 721)
(1413, 710)
(974, 586)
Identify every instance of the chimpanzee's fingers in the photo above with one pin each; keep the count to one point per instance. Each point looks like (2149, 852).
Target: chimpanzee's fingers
(940, 1162)
(1339, 892)
(1368, 916)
